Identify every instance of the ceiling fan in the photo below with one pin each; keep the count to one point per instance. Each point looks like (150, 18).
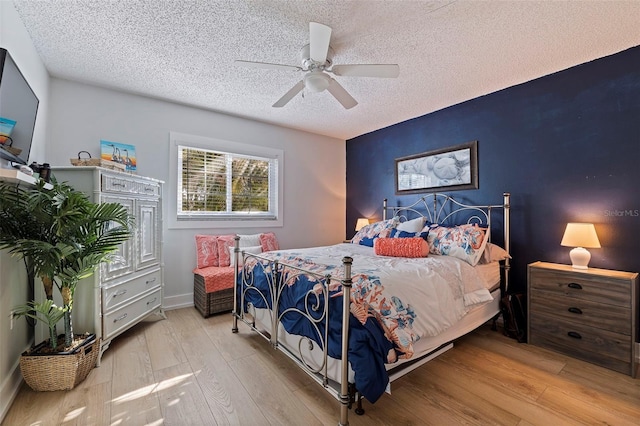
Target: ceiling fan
(317, 64)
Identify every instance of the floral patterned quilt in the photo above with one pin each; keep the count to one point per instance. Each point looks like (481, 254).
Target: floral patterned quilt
(394, 302)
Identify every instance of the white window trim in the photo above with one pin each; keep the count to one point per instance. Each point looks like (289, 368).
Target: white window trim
(176, 139)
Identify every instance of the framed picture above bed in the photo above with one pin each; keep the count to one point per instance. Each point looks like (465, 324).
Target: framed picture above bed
(445, 169)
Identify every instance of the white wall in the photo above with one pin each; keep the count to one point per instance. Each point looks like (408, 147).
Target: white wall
(13, 288)
(314, 166)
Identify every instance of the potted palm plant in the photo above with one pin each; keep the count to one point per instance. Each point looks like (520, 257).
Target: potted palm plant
(62, 238)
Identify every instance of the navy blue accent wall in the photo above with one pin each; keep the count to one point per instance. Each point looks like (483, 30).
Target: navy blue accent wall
(566, 146)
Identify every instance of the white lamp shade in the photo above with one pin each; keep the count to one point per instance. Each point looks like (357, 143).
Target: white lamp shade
(580, 235)
(361, 223)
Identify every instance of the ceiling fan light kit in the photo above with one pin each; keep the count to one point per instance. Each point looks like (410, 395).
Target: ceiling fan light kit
(317, 62)
(316, 81)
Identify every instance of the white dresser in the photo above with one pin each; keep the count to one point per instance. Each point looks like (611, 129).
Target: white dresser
(129, 288)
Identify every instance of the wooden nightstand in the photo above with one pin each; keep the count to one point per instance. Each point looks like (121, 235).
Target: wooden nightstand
(590, 314)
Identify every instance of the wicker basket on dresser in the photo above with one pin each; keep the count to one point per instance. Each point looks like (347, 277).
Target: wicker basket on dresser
(587, 314)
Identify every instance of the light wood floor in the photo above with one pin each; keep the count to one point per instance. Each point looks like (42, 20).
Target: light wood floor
(190, 371)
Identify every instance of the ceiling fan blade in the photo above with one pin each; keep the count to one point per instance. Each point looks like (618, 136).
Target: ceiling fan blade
(367, 70)
(266, 65)
(341, 95)
(319, 37)
(289, 95)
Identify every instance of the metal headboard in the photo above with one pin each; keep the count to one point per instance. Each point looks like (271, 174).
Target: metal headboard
(442, 208)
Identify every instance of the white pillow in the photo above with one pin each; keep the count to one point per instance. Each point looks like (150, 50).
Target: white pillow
(251, 250)
(251, 240)
(413, 225)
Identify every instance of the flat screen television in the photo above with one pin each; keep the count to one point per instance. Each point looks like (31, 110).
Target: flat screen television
(18, 109)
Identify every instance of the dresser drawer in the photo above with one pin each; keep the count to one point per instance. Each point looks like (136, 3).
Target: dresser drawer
(127, 185)
(586, 312)
(578, 285)
(602, 347)
(121, 318)
(119, 294)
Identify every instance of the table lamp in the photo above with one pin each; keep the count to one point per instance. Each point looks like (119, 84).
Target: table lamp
(361, 223)
(579, 236)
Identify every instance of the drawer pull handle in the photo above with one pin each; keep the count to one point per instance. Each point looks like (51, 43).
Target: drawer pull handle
(119, 293)
(120, 318)
(151, 281)
(574, 334)
(119, 184)
(575, 286)
(152, 301)
(575, 310)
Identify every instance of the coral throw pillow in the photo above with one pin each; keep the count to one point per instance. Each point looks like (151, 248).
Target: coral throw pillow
(269, 242)
(225, 242)
(207, 250)
(401, 247)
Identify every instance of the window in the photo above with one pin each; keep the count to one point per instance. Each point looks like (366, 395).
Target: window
(224, 181)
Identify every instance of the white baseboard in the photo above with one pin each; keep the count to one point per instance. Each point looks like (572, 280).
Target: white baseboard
(9, 388)
(177, 302)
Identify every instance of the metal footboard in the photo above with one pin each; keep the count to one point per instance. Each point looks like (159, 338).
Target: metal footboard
(279, 276)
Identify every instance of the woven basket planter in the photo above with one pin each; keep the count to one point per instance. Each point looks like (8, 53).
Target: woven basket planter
(61, 371)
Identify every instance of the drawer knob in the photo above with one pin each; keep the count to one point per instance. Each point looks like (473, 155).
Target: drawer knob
(575, 310)
(120, 318)
(119, 293)
(152, 301)
(574, 334)
(575, 286)
(151, 281)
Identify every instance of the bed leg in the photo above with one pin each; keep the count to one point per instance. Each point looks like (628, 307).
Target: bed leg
(359, 410)
(236, 253)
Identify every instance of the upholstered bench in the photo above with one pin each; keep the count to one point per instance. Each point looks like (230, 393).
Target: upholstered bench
(213, 289)
(213, 276)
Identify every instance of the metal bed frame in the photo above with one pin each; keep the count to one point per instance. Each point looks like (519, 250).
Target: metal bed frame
(439, 209)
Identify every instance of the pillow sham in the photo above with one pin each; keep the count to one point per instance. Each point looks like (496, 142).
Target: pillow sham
(413, 225)
(401, 247)
(395, 233)
(250, 240)
(251, 250)
(493, 253)
(224, 253)
(382, 229)
(466, 242)
(206, 250)
(269, 242)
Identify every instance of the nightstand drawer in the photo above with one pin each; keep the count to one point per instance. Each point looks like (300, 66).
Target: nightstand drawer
(582, 286)
(598, 346)
(593, 314)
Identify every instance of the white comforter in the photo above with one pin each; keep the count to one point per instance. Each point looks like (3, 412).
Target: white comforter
(414, 297)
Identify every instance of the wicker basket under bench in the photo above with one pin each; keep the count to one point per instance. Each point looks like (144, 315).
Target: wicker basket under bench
(213, 290)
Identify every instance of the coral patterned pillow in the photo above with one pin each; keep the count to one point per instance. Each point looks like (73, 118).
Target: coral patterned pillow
(224, 253)
(369, 233)
(269, 242)
(466, 242)
(207, 250)
(401, 247)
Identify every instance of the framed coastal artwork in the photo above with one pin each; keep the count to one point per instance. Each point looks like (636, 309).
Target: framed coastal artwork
(120, 153)
(452, 168)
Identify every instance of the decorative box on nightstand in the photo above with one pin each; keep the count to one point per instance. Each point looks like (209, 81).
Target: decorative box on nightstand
(587, 314)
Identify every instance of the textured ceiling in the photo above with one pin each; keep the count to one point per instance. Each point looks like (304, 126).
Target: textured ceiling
(448, 51)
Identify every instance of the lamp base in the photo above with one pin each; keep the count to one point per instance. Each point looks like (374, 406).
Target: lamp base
(580, 258)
